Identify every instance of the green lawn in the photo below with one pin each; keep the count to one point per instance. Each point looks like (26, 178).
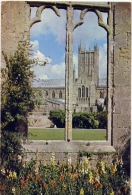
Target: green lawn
(58, 134)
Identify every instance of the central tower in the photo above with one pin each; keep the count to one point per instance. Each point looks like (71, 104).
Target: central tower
(88, 62)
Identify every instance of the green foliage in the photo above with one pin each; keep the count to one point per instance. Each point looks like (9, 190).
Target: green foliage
(58, 118)
(84, 120)
(16, 102)
(16, 89)
(102, 118)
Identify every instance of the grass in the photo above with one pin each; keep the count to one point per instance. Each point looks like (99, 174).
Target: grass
(58, 134)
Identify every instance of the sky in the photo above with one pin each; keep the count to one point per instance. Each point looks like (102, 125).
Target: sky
(48, 40)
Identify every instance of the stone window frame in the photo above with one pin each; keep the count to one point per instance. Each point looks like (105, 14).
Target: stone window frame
(53, 94)
(83, 91)
(70, 26)
(79, 92)
(60, 94)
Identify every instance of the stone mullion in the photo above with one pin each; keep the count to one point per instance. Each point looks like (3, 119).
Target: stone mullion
(109, 106)
(69, 74)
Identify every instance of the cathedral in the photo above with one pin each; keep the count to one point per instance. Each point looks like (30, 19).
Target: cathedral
(88, 88)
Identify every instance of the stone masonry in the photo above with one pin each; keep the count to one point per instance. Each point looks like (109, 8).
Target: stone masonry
(15, 21)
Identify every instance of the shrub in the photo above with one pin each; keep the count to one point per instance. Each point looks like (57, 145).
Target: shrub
(58, 118)
(102, 118)
(84, 120)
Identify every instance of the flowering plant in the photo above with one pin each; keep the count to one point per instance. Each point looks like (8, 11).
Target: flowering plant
(66, 178)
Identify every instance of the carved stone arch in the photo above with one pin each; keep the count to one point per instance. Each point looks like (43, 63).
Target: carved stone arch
(39, 11)
(81, 21)
(100, 21)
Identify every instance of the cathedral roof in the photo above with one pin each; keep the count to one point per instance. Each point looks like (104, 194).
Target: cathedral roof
(49, 83)
(60, 82)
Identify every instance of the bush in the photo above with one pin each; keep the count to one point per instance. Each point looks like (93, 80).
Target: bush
(84, 120)
(58, 118)
(102, 118)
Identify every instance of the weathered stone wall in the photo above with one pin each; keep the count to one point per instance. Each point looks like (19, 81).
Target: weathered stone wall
(122, 73)
(15, 27)
(39, 120)
(14, 24)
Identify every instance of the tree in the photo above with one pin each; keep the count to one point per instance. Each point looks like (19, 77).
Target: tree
(17, 91)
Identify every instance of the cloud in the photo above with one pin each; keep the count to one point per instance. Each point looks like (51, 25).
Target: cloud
(51, 23)
(56, 71)
(36, 54)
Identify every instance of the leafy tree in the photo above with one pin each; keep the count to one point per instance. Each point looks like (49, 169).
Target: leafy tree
(16, 99)
(17, 90)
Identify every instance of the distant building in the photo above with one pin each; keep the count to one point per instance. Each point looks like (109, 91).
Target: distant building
(87, 88)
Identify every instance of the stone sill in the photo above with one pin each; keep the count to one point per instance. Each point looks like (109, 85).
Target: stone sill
(70, 147)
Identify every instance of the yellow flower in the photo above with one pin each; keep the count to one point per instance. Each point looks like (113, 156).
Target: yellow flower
(81, 191)
(12, 175)
(112, 193)
(102, 165)
(90, 177)
(86, 160)
(52, 161)
(64, 186)
(113, 169)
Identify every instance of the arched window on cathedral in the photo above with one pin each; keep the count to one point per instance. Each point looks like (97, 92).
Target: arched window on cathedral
(86, 92)
(83, 91)
(46, 93)
(79, 92)
(60, 94)
(53, 94)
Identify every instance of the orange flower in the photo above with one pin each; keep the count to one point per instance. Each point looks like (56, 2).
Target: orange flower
(97, 184)
(75, 175)
(61, 176)
(30, 175)
(60, 166)
(53, 182)
(119, 191)
(38, 178)
(45, 185)
(2, 188)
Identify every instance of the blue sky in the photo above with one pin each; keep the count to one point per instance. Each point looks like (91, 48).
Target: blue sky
(48, 39)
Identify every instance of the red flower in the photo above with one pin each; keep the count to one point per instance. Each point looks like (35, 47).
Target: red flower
(22, 180)
(45, 185)
(100, 171)
(125, 190)
(2, 188)
(15, 158)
